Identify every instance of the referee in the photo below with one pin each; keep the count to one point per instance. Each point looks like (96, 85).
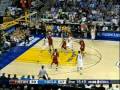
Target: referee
(43, 74)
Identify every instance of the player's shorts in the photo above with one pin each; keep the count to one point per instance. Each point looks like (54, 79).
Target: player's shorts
(64, 47)
(55, 61)
(82, 49)
(80, 65)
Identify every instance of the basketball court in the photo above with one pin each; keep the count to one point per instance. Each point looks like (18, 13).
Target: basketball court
(100, 61)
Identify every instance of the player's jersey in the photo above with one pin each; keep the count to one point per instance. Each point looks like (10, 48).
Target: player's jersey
(70, 38)
(50, 41)
(64, 45)
(79, 60)
(55, 56)
(92, 34)
(82, 45)
(69, 45)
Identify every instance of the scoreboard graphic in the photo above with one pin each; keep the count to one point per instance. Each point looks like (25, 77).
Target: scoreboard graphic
(63, 82)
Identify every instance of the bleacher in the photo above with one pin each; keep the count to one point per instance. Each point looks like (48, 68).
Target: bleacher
(3, 5)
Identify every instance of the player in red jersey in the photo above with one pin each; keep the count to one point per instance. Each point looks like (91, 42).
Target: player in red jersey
(82, 46)
(64, 45)
(50, 42)
(55, 56)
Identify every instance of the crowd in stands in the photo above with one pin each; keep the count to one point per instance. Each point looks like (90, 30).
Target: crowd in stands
(104, 13)
(9, 40)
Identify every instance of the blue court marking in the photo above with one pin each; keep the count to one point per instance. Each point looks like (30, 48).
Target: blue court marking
(15, 52)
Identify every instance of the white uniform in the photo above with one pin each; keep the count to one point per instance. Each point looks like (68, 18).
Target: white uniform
(79, 61)
(70, 43)
(45, 45)
(92, 34)
(70, 38)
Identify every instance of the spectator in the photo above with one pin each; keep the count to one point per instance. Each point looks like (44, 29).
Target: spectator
(88, 86)
(28, 77)
(33, 77)
(117, 87)
(26, 87)
(15, 77)
(110, 87)
(23, 78)
(26, 39)
(6, 45)
(3, 77)
(32, 88)
(0, 52)
(18, 88)
(94, 87)
(8, 77)
(105, 28)
(101, 87)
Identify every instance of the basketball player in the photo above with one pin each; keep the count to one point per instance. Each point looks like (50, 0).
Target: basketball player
(50, 42)
(70, 46)
(79, 61)
(64, 45)
(82, 47)
(45, 44)
(93, 31)
(69, 43)
(55, 56)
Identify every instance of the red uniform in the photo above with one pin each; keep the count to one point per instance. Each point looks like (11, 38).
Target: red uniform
(82, 45)
(64, 45)
(55, 58)
(50, 41)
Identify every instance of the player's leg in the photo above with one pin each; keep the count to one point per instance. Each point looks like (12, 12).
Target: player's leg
(50, 50)
(81, 68)
(78, 68)
(64, 49)
(73, 53)
(52, 47)
(56, 66)
(44, 41)
(52, 64)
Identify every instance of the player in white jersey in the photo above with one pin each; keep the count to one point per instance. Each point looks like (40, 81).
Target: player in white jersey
(93, 31)
(70, 43)
(70, 46)
(79, 61)
(45, 43)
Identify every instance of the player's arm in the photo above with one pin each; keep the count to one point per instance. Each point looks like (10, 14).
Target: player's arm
(46, 73)
(39, 74)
